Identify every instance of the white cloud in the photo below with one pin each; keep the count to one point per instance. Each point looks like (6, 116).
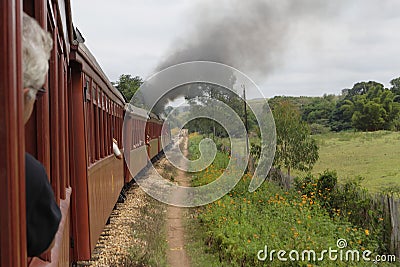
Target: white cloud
(322, 56)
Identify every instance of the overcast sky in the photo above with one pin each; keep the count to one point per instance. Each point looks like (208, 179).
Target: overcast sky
(324, 52)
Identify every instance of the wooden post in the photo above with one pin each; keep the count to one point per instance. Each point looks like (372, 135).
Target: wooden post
(245, 119)
(79, 180)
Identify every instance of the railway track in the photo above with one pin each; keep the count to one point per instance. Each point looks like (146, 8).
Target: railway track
(121, 233)
(118, 237)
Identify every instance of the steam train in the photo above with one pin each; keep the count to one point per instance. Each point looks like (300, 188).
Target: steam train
(70, 132)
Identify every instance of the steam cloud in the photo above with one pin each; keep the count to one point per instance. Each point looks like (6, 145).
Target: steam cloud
(248, 35)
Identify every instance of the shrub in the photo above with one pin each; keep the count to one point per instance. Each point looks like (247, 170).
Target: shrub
(325, 186)
(306, 185)
(319, 129)
(238, 225)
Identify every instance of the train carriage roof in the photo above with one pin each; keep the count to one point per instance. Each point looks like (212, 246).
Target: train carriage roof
(136, 112)
(140, 113)
(81, 53)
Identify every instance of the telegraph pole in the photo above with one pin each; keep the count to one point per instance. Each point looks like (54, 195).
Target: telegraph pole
(245, 119)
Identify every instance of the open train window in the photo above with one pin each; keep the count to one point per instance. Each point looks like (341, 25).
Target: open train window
(88, 119)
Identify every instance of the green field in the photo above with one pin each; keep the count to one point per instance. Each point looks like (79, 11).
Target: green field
(375, 156)
(232, 230)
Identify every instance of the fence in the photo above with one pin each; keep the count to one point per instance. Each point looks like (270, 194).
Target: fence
(387, 204)
(391, 206)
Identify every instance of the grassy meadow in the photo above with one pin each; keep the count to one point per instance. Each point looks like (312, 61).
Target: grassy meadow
(375, 156)
(232, 230)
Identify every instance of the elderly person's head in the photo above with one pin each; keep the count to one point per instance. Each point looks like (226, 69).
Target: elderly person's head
(36, 48)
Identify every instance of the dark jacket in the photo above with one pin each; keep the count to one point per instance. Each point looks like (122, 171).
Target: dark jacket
(42, 212)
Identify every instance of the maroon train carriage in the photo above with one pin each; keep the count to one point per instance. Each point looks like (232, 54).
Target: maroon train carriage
(153, 129)
(135, 141)
(46, 134)
(165, 136)
(143, 133)
(70, 132)
(97, 110)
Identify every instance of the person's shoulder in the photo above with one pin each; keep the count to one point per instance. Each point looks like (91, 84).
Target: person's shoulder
(34, 170)
(33, 163)
(42, 212)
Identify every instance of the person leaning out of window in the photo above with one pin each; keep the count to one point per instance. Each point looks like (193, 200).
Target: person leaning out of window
(43, 215)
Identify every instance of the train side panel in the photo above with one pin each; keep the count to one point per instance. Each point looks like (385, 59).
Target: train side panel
(136, 150)
(102, 175)
(80, 219)
(138, 160)
(105, 181)
(12, 174)
(153, 129)
(153, 147)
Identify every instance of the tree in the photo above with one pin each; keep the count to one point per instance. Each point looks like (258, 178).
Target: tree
(395, 86)
(368, 106)
(363, 88)
(295, 149)
(128, 85)
(369, 117)
(200, 94)
(319, 110)
(375, 110)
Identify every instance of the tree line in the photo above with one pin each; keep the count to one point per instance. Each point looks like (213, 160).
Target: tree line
(367, 106)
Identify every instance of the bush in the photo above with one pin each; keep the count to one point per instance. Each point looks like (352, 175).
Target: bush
(353, 202)
(348, 202)
(325, 186)
(306, 185)
(319, 129)
(241, 223)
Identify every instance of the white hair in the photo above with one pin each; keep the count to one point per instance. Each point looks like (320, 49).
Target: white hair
(36, 47)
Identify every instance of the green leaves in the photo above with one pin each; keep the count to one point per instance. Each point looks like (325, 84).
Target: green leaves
(294, 147)
(128, 85)
(375, 110)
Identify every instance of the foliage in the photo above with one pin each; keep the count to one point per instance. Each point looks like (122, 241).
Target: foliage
(369, 107)
(234, 228)
(299, 102)
(210, 173)
(255, 150)
(396, 88)
(325, 185)
(316, 128)
(306, 185)
(319, 110)
(128, 85)
(203, 96)
(295, 149)
(350, 201)
(340, 119)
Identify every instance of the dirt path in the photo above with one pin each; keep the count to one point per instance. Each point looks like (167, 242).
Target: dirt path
(176, 254)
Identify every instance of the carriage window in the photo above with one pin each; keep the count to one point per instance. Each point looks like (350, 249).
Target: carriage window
(101, 111)
(96, 124)
(88, 119)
